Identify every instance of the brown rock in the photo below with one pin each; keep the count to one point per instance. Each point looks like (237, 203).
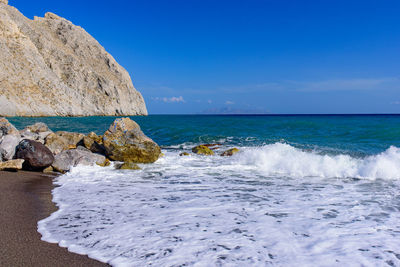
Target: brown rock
(70, 137)
(128, 166)
(7, 128)
(124, 141)
(36, 155)
(38, 127)
(11, 165)
(60, 141)
(230, 152)
(202, 150)
(56, 143)
(48, 169)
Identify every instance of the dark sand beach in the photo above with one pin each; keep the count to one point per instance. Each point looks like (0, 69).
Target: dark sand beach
(25, 198)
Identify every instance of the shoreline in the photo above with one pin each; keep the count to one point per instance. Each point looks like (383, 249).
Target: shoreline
(25, 199)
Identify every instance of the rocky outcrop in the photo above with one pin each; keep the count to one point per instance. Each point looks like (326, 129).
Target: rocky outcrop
(36, 155)
(125, 141)
(50, 67)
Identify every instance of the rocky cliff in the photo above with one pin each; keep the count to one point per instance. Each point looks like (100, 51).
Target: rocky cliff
(50, 67)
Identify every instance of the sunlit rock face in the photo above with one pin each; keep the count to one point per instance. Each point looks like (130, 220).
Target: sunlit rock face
(50, 67)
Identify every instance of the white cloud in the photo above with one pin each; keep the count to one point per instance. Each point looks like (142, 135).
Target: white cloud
(173, 99)
(395, 103)
(209, 101)
(228, 102)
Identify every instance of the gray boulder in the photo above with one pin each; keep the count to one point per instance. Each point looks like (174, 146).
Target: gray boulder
(8, 145)
(27, 134)
(67, 159)
(38, 127)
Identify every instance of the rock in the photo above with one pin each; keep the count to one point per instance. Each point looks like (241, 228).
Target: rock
(38, 127)
(105, 163)
(67, 159)
(5, 126)
(184, 154)
(124, 141)
(43, 135)
(50, 67)
(95, 137)
(202, 150)
(56, 143)
(127, 166)
(27, 134)
(11, 165)
(60, 141)
(8, 145)
(212, 146)
(4, 2)
(36, 155)
(70, 137)
(48, 169)
(230, 152)
(93, 145)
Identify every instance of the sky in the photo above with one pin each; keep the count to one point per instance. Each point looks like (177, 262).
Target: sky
(277, 57)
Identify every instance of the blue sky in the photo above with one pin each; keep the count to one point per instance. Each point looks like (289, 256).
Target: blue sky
(248, 56)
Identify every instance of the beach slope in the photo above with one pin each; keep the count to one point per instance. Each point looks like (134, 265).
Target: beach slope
(25, 198)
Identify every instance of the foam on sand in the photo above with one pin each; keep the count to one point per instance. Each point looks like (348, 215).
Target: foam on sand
(274, 204)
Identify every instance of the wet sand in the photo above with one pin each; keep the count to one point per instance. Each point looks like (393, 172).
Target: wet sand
(25, 198)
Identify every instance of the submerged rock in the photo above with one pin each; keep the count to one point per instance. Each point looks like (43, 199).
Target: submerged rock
(8, 145)
(11, 165)
(202, 150)
(184, 154)
(124, 141)
(36, 155)
(230, 152)
(67, 159)
(127, 166)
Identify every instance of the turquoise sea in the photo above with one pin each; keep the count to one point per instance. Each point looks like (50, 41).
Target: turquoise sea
(304, 189)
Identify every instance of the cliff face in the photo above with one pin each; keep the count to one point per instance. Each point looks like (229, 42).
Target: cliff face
(50, 67)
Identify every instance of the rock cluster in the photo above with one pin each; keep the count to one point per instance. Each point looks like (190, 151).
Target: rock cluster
(208, 150)
(37, 148)
(50, 67)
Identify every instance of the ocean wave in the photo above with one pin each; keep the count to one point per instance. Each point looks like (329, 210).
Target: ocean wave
(281, 159)
(229, 211)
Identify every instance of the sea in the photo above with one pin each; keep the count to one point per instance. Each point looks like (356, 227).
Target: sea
(304, 190)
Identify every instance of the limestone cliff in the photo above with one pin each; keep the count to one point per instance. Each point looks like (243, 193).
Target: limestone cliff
(50, 67)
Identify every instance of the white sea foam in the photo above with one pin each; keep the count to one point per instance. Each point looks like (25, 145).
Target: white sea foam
(270, 205)
(282, 159)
